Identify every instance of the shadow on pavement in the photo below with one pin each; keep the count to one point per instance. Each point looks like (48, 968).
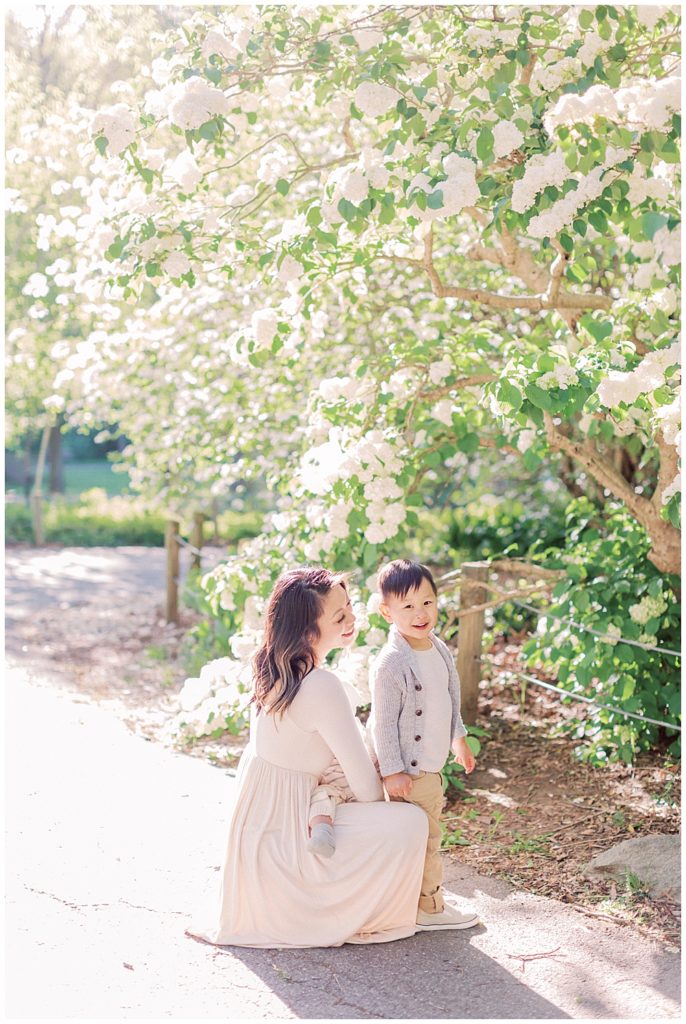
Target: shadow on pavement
(428, 976)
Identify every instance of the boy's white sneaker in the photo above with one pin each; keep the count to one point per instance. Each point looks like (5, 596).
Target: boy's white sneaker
(449, 917)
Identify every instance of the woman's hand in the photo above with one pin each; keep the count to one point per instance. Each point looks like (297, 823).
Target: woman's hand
(463, 755)
(399, 785)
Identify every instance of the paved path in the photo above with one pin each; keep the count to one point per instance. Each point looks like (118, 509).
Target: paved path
(113, 841)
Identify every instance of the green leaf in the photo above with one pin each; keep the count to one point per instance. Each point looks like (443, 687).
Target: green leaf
(473, 744)
(347, 210)
(509, 394)
(651, 223)
(566, 241)
(435, 200)
(101, 144)
(283, 186)
(484, 144)
(209, 130)
(599, 329)
(538, 397)
(468, 444)
(386, 214)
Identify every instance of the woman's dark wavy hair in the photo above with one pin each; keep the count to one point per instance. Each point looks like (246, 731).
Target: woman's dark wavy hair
(287, 654)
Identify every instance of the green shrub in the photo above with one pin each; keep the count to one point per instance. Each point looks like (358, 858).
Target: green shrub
(18, 527)
(97, 519)
(613, 588)
(486, 530)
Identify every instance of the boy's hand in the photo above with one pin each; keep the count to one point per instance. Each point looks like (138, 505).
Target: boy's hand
(398, 785)
(463, 755)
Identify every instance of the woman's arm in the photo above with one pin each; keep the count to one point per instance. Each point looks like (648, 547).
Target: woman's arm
(329, 713)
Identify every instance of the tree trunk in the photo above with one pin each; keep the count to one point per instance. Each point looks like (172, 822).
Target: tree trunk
(55, 460)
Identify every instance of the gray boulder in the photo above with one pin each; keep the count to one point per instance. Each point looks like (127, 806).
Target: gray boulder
(654, 859)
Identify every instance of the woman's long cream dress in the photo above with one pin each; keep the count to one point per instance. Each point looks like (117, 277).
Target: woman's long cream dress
(274, 892)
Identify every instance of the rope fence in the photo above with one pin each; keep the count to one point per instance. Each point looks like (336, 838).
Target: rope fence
(515, 596)
(173, 542)
(578, 696)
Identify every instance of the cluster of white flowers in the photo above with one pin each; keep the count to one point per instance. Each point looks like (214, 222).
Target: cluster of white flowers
(592, 45)
(443, 412)
(551, 221)
(366, 38)
(264, 324)
(273, 165)
(375, 99)
(222, 690)
(185, 171)
(353, 668)
(506, 138)
(176, 264)
(541, 170)
(525, 440)
(664, 300)
(668, 245)
(549, 77)
(647, 376)
(649, 16)
(333, 389)
(650, 103)
(561, 377)
(582, 108)
(37, 286)
(648, 608)
(401, 383)
(215, 42)
(614, 632)
(440, 370)
(458, 190)
(195, 102)
(290, 270)
(117, 124)
(336, 519)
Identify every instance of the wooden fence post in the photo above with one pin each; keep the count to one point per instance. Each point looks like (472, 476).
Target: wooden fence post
(37, 493)
(171, 534)
(197, 538)
(470, 636)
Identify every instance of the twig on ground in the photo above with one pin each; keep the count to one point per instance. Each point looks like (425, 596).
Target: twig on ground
(527, 957)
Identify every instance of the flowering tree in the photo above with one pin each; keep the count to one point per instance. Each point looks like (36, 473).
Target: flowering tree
(453, 229)
(363, 248)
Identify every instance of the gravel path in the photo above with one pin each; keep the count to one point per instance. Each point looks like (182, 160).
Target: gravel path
(113, 840)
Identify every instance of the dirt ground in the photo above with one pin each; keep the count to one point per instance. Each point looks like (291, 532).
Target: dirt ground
(531, 813)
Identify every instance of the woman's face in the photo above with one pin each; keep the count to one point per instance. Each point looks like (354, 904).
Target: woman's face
(336, 622)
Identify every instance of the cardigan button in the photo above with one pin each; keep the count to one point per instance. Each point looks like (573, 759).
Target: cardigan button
(418, 712)
(417, 738)
(417, 686)
(413, 764)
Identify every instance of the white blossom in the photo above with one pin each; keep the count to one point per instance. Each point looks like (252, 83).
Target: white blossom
(374, 99)
(176, 264)
(197, 102)
(506, 138)
(264, 323)
(185, 171)
(366, 38)
(117, 124)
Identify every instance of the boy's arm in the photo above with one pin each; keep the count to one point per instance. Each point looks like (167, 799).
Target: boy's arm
(386, 708)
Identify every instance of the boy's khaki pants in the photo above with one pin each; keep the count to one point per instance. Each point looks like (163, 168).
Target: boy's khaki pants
(427, 793)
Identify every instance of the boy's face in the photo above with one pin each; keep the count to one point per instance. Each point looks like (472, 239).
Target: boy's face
(415, 614)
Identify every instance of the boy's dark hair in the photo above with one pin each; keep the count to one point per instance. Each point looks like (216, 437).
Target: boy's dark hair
(401, 576)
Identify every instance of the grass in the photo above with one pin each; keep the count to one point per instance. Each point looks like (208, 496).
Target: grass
(82, 476)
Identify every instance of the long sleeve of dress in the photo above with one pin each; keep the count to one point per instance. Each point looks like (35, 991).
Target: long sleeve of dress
(325, 708)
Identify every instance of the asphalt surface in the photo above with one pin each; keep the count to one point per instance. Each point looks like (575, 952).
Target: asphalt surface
(114, 842)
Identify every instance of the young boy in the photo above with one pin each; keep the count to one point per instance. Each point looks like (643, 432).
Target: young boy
(415, 719)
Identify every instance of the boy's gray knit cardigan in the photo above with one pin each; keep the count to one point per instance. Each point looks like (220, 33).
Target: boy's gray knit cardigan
(398, 702)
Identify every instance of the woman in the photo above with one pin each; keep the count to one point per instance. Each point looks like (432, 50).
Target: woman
(275, 892)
